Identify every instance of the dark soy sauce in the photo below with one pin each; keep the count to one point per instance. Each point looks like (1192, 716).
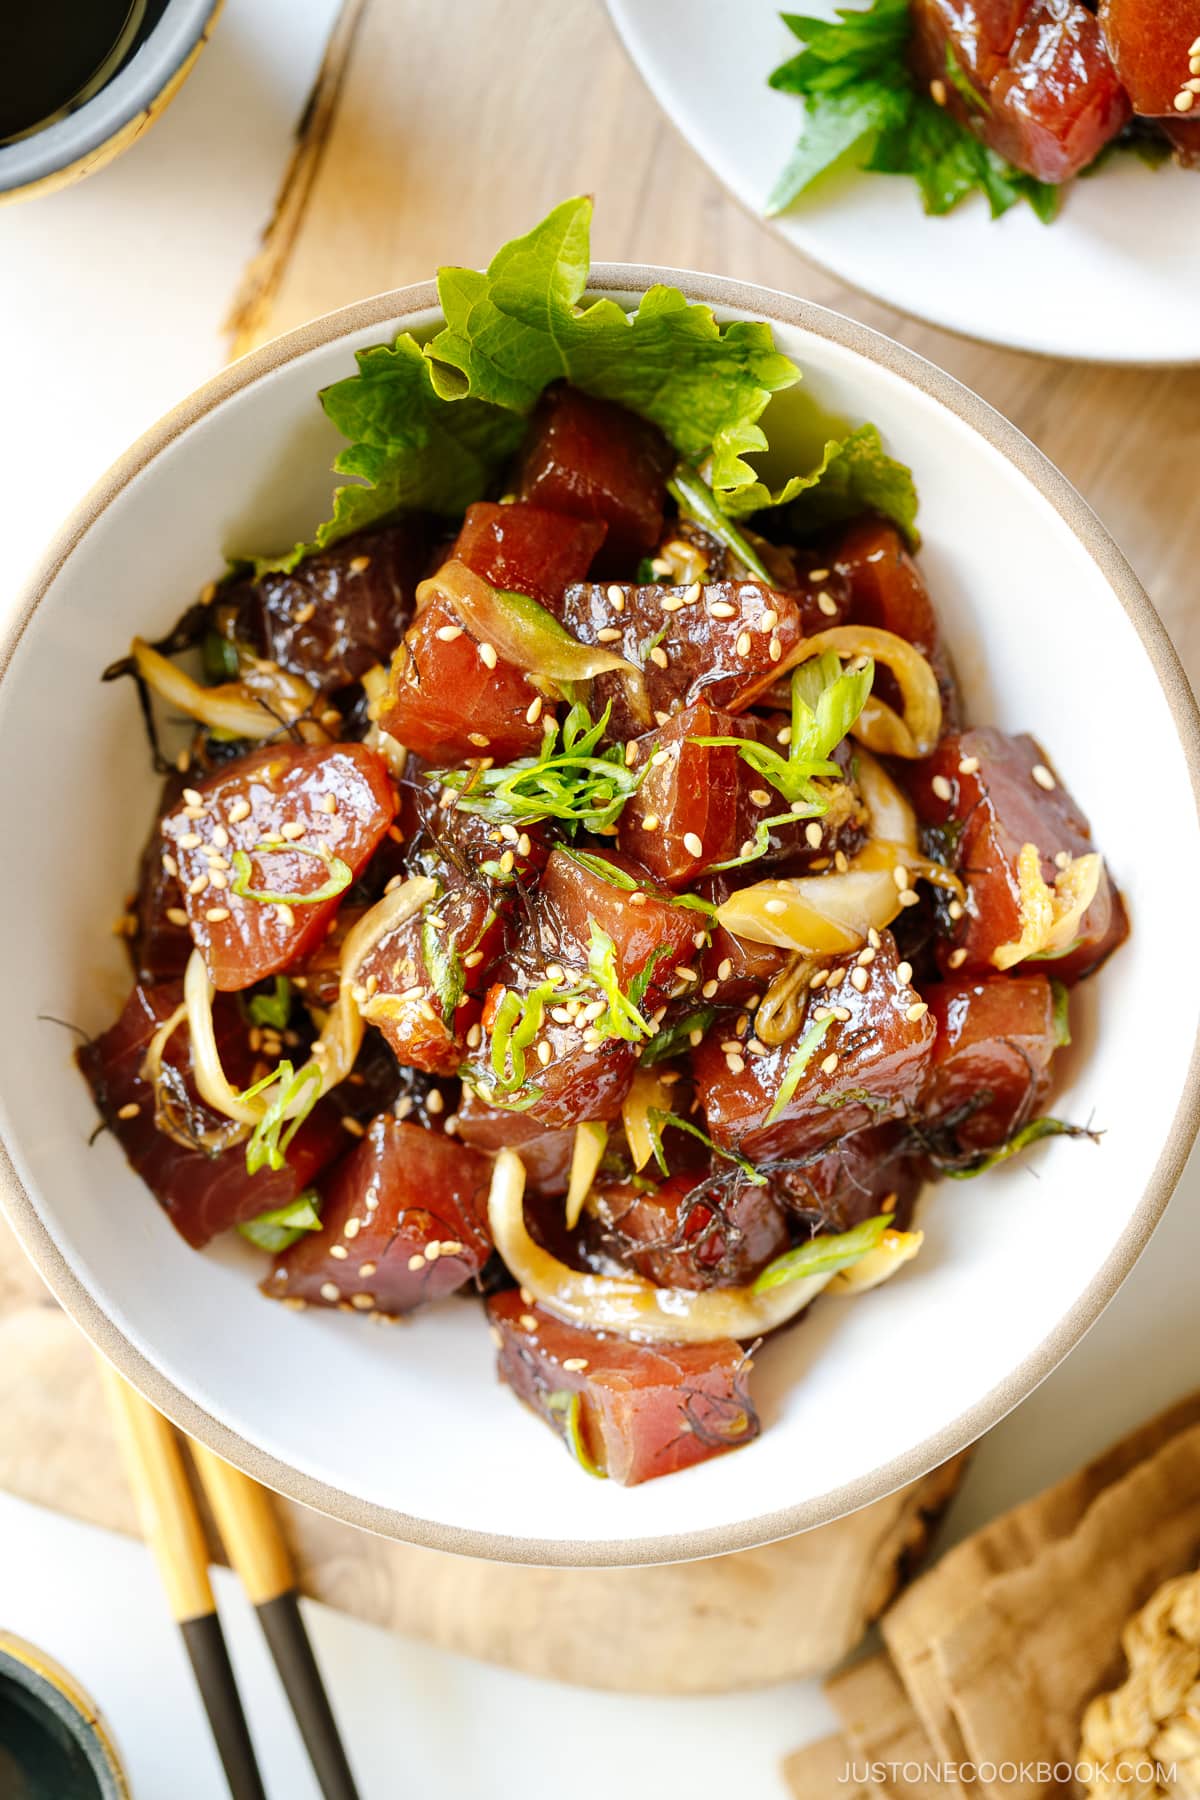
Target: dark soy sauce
(55, 53)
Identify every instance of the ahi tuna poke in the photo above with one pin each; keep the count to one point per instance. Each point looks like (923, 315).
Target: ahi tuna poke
(579, 893)
(1009, 98)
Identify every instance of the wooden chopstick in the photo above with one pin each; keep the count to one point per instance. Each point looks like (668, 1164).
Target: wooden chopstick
(245, 1518)
(174, 1534)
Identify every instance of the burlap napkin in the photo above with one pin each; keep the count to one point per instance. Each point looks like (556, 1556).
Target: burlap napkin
(992, 1657)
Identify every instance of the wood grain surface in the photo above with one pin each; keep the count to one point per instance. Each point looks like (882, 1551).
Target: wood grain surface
(437, 132)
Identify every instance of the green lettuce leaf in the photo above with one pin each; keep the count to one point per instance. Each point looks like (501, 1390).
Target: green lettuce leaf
(512, 329)
(855, 475)
(408, 446)
(862, 103)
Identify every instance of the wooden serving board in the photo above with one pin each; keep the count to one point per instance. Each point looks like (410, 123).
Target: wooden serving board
(435, 133)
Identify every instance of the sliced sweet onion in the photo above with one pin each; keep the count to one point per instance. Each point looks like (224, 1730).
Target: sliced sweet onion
(264, 699)
(894, 1249)
(625, 1304)
(518, 629)
(1050, 916)
(889, 810)
(166, 1107)
(879, 854)
(823, 915)
(781, 1012)
(341, 1035)
(648, 1091)
(591, 1141)
(393, 752)
(878, 727)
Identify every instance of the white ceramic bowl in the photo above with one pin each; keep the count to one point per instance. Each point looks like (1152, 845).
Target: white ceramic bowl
(406, 1431)
(1113, 280)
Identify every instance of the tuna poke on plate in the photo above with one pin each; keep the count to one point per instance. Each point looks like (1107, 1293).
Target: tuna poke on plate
(580, 894)
(1009, 98)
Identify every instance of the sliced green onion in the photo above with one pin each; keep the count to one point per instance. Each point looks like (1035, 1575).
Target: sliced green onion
(279, 1229)
(826, 701)
(824, 1255)
(220, 658)
(658, 1122)
(272, 1009)
(570, 779)
(340, 876)
(444, 967)
(519, 629)
(1062, 1013)
(696, 500)
(622, 1018)
(275, 1130)
(798, 1061)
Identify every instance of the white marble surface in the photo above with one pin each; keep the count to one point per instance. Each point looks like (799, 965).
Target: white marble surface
(111, 300)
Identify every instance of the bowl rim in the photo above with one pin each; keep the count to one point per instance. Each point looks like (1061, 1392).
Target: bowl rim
(395, 308)
(133, 90)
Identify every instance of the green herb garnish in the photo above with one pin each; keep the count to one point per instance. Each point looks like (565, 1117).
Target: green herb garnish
(797, 1063)
(621, 878)
(517, 1021)
(696, 500)
(279, 1229)
(824, 1255)
(444, 967)
(339, 879)
(220, 658)
(274, 1132)
(570, 779)
(1033, 1133)
(657, 1122)
(826, 700)
(862, 101)
(621, 1017)
(274, 1009)
(672, 1040)
(1061, 997)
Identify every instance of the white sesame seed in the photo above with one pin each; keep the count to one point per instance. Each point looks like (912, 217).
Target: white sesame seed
(671, 603)
(330, 1291)
(743, 643)
(900, 877)
(830, 1063)
(658, 656)
(956, 909)
(692, 594)
(609, 635)
(721, 609)
(695, 1038)
(238, 811)
(859, 979)
(631, 753)
(637, 898)
(904, 973)
(818, 979)
(969, 765)
(534, 711)
(724, 969)
(527, 1322)
(941, 787)
(575, 1364)
(176, 915)
(709, 989)
(865, 957)
(129, 1111)
(692, 844)
(198, 885)
(216, 915)
(818, 574)
(937, 91)
(615, 594)
(338, 1252)
(193, 796)
(649, 823)
(735, 1064)
(956, 959)
(873, 937)
(190, 840)
(827, 604)
(774, 649)
(910, 897)
(774, 907)
(487, 656)
(813, 835)
(769, 620)
(1184, 101)
(916, 1011)
(448, 633)
(416, 1262)
(1062, 859)
(1043, 777)
(295, 828)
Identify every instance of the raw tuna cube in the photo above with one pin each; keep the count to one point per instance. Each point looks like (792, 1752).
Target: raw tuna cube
(886, 590)
(868, 1066)
(447, 842)
(546, 1154)
(734, 968)
(595, 460)
(203, 1190)
(685, 814)
(1048, 96)
(572, 1079)
(998, 793)
(448, 704)
(687, 1232)
(340, 611)
(990, 1069)
(870, 1172)
(315, 804)
(528, 550)
(403, 1221)
(422, 979)
(1150, 43)
(692, 643)
(654, 930)
(643, 1410)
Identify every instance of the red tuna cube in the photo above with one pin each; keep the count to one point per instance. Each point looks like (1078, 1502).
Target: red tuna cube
(203, 1189)
(988, 795)
(868, 1066)
(545, 1154)
(451, 698)
(1151, 43)
(643, 1410)
(594, 460)
(886, 590)
(403, 1221)
(293, 811)
(527, 550)
(686, 1232)
(990, 1068)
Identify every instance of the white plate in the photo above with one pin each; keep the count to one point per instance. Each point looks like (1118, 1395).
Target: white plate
(1114, 279)
(406, 1430)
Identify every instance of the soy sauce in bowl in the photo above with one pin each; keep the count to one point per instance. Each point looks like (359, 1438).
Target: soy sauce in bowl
(55, 54)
